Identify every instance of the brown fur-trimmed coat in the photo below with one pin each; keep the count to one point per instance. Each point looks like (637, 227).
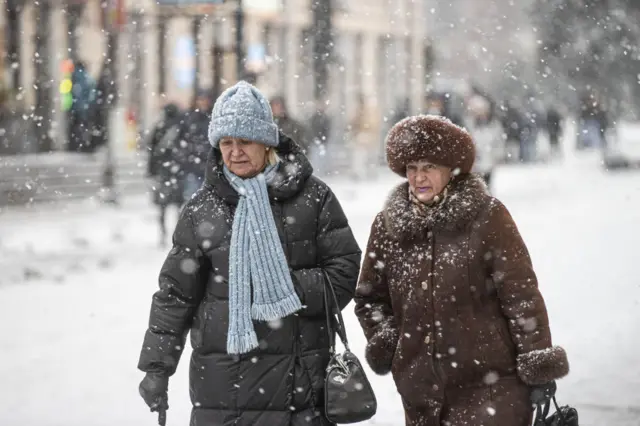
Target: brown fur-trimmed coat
(449, 303)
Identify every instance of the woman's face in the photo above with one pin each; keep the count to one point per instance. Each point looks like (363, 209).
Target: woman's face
(426, 180)
(242, 157)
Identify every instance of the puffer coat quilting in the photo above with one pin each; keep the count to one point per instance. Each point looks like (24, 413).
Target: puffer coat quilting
(281, 382)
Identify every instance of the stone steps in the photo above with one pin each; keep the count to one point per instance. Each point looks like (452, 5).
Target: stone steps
(65, 176)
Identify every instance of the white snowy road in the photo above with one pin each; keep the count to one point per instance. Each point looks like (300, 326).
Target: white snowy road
(76, 284)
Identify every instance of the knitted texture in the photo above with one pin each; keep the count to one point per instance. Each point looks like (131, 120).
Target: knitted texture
(243, 112)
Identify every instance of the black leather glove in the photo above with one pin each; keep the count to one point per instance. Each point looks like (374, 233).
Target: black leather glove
(153, 390)
(542, 394)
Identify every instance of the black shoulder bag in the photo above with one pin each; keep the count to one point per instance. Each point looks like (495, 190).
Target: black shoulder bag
(564, 416)
(348, 396)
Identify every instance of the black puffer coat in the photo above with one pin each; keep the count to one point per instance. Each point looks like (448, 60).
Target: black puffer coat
(281, 383)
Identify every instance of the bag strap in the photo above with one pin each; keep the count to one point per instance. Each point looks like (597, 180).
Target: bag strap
(543, 412)
(558, 410)
(331, 308)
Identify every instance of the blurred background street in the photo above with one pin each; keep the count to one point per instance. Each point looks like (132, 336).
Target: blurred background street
(103, 103)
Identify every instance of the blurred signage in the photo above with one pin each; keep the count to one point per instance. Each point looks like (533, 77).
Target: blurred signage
(256, 58)
(114, 15)
(187, 2)
(263, 6)
(184, 70)
(191, 7)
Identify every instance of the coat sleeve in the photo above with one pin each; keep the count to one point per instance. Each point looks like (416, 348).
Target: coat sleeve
(173, 306)
(538, 362)
(373, 303)
(338, 256)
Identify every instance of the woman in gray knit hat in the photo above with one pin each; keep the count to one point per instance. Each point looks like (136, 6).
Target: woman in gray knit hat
(252, 253)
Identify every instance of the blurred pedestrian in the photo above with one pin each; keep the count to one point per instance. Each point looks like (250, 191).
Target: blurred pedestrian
(444, 105)
(403, 109)
(194, 143)
(164, 165)
(512, 123)
(101, 106)
(593, 122)
(534, 117)
(289, 126)
(447, 296)
(488, 137)
(364, 131)
(79, 115)
(554, 129)
(252, 254)
(435, 104)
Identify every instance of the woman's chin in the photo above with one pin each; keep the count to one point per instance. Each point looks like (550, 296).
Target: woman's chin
(425, 197)
(243, 171)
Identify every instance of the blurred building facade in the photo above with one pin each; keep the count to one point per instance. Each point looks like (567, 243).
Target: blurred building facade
(379, 52)
(490, 44)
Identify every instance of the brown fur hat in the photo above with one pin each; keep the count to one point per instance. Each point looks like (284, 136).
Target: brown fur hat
(432, 138)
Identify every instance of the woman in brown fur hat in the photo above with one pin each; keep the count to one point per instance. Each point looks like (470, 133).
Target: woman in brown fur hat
(447, 296)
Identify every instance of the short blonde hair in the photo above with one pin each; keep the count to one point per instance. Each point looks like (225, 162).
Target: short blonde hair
(272, 157)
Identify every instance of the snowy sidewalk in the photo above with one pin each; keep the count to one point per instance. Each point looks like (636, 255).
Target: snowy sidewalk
(70, 335)
(47, 241)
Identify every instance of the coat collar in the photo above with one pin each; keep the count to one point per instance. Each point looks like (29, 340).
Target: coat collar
(467, 194)
(293, 172)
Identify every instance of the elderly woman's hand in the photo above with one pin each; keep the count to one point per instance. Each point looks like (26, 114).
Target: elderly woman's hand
(153, 389)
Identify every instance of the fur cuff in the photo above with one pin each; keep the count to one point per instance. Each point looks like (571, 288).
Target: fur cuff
(381, 349)
(543, 366)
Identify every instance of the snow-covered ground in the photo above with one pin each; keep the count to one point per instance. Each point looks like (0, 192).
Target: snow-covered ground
(76, 283)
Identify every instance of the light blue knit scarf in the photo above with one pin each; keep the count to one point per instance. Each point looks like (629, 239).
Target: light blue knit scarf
(256, 262)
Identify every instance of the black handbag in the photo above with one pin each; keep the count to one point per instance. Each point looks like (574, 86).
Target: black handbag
(564, 416)
(348, 396)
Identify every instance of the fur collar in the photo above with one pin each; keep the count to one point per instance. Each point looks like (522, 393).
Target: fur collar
(467, 195)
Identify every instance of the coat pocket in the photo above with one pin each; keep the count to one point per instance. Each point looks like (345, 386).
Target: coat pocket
(500, 354)
(501, 330)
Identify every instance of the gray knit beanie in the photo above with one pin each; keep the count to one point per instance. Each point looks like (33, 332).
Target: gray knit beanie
(243, 112)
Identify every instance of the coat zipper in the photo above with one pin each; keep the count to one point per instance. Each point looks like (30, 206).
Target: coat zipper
(439, 380)
(297, 353)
